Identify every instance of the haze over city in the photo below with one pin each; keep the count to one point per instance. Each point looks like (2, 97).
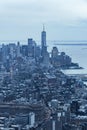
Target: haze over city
(64, 20)
(43, 65)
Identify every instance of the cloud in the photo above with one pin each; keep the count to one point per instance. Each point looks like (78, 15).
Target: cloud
(19, 15)
(61, 11)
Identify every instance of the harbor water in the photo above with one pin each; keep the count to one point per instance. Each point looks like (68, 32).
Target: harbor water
(78, 53)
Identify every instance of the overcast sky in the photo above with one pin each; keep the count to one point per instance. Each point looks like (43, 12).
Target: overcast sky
(64, 19)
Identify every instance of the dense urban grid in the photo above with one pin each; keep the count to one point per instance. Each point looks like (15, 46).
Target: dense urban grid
(35, 94)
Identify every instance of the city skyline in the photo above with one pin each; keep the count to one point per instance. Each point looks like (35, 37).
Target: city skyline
(64, 20)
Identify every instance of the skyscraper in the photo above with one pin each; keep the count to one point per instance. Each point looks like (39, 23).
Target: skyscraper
(18, 49)
(31, 46)
(44, 53)
(43, 42)
(43, 37)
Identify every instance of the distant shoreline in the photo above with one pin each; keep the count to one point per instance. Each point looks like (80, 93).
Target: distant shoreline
(78, 44)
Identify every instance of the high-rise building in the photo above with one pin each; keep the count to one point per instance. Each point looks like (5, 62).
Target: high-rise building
(43, 37)
(43, 42)
(44, 53)
(54, 52)
(31, 47)
(24, 50)
(30, 41)
(18, 49)
(12, 50)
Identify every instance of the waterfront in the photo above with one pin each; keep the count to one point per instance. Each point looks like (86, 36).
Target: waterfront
(78, 54)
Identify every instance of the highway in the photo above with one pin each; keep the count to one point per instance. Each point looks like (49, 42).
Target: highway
(17, 108)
